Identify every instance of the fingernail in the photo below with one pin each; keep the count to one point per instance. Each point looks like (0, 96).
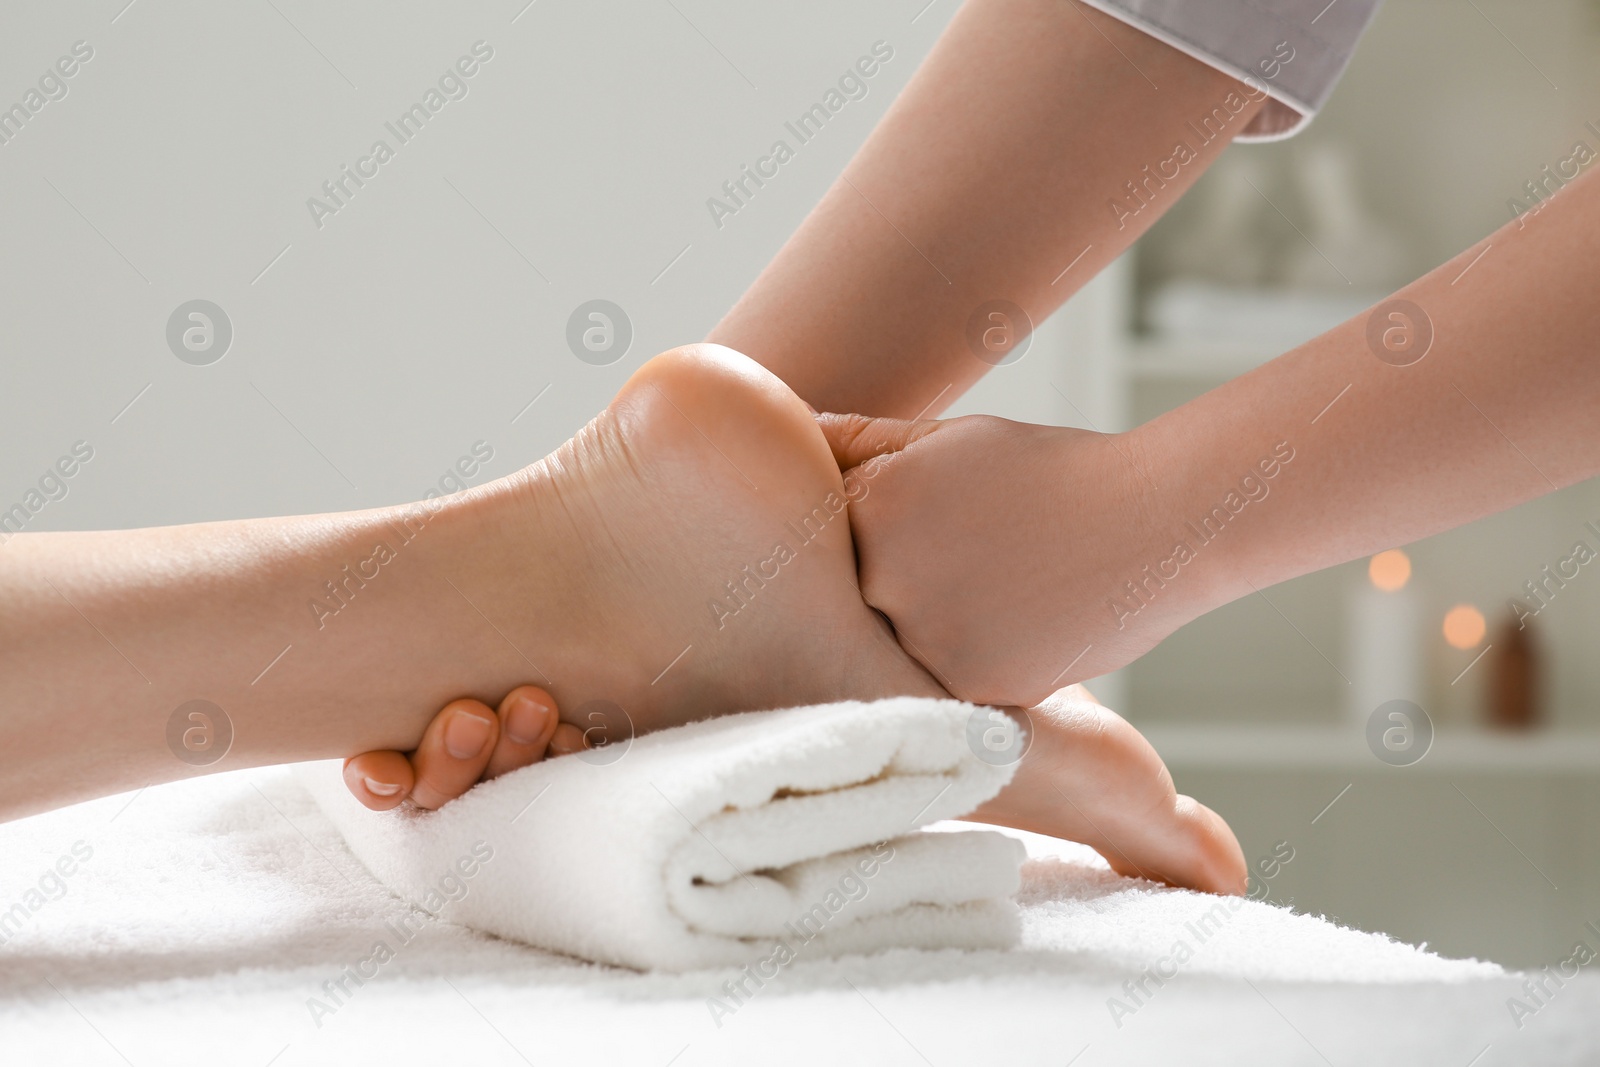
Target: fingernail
(380, 789)
(566, 740)
(466, 735)
(525, 720)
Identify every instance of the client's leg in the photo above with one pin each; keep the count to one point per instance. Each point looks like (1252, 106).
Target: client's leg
(686, 554)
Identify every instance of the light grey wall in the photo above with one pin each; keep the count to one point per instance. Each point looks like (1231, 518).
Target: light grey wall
(371, 352)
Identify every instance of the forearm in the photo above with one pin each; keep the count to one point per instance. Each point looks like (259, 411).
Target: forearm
(1501, 409)
(1001, 163)
(1092, 548)
(293, 627)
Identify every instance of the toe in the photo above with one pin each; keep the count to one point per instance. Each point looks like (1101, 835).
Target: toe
(1091, 777)
(454, 752)
(1218, 864)
(527, 721)
(1181, 842)
(380, 780)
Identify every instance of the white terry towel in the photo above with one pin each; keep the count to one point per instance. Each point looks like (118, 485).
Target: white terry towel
(764, 835)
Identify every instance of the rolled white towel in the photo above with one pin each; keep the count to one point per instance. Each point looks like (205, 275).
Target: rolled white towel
(751, 837)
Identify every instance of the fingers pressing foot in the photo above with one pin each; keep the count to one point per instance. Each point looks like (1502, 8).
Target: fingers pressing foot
(466, 743)
(380, 780)
(527, 721)
(454, 752)
(567, 740)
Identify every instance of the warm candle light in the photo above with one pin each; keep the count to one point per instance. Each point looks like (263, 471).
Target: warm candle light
(1386, 626)
(1464, 626)
(1390, 570)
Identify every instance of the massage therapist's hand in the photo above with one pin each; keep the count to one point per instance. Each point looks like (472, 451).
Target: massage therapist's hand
(467, 742)
(1001, 551)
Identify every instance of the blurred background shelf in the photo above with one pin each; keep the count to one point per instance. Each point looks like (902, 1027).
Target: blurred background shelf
(1242, 748)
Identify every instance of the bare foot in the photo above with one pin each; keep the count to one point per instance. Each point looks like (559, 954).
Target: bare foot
(1090, 777)
(697, 561)
(693, 558)
(687, 554)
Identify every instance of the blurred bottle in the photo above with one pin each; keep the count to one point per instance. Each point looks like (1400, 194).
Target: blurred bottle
(1514, 689)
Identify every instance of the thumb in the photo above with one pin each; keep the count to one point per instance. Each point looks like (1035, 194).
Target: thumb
(858, 438)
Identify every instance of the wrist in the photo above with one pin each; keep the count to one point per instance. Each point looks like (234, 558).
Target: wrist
(1193, 552)
(1223, 472)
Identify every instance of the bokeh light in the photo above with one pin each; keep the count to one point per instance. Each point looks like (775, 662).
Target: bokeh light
(1390, 570)
(1464, 626)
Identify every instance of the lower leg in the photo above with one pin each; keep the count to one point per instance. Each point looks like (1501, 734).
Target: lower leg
(685, 555)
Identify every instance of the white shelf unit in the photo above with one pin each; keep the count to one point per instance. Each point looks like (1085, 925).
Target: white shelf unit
(1239, 748)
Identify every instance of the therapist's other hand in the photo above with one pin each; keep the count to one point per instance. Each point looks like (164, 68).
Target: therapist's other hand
(467, 742)
(1001, 551)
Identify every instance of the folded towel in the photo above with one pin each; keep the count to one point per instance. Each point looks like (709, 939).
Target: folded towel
(753, 837)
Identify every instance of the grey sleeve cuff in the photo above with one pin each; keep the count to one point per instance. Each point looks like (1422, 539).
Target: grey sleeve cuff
(1293, 50)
